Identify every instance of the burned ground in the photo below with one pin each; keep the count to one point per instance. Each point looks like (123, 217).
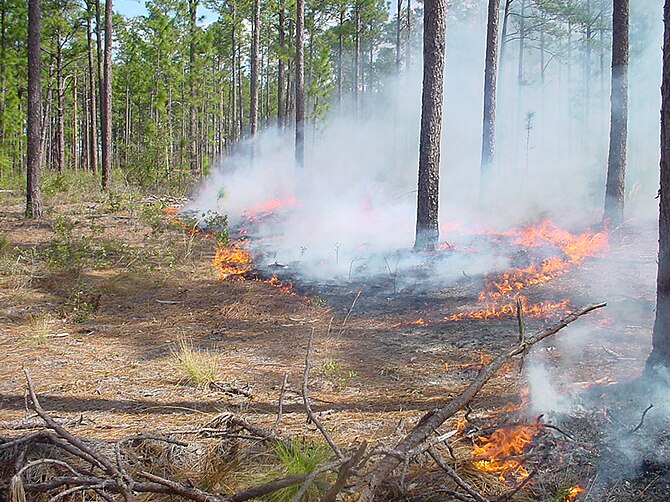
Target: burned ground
(96, 312)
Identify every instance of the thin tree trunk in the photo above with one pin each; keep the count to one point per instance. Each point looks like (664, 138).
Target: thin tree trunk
(660, 352)
(503, 36)
(107, 101)
(60, 111)
(300, 84)
(281, 91)
(357, 56)
(75, 128)
(340, 50)
(255, 43)
(193, 156)
(434, 25)
(33, 195)
(235, 83)
(490, 80)
(616, 163)
(397, 35)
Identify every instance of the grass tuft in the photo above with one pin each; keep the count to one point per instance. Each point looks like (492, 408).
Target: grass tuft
(298, 457)
(196, 366)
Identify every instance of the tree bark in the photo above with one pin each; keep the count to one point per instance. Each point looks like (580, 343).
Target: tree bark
(33, 195)
(255, 43)
(616, 162)
(489, 116)
(300, 84)
(397, 35)
(60, 109)
(660, 353)
(107, 101)
(434, 25)
(281, 80)
(192, 137)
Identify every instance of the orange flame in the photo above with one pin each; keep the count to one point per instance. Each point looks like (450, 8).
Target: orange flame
(231, 260)
(498, 289)
(573, 492)
(500, 453)
(419, 322)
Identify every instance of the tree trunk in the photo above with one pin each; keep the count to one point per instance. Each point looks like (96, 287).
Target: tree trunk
(489, 116)
(281, 94)
(616, 162)
(397, 35)
(255, 43)
(340, 50)
(235, 84)
(300, 84)
(192, 140)
(60, 111)
(75, 125)
(107, 101)
(434, 24)
(93, 113)
(503, 36)
(357, 56)
(33, 195)
(660, 352)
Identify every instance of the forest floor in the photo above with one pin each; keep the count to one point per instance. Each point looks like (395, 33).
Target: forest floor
(98, 298)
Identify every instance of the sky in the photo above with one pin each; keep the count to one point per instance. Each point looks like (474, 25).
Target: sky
(132, 8)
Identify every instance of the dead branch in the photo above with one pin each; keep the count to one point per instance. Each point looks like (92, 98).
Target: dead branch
(434, 418)
(508, 495)
(440, 461)
(644, 414)
(520, 321)
(280, 406)
(346, 318)
(188, 492)
(305, 399)
(278, 484)
(346, 469)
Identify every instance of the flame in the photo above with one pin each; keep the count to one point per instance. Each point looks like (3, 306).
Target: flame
(231, 260)
(419, 322)
(572, 493)
(498, 291)
(500, 452)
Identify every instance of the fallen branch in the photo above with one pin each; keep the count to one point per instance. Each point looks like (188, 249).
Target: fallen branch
(434, 418)
(440, 461)
(644, 414)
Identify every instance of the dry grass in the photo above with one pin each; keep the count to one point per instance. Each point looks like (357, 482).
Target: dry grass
(197, 366)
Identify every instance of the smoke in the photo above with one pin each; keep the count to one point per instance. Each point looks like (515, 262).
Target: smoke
(349, 215)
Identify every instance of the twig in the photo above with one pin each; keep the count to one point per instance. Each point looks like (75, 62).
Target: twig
(124, 482)
(72, 490)
(346, 318)
(440, 461)
(278, 484)
(179, 489)
(305, 399)
(644, 413)
(433, 419)
(280, 406)
(344, 473)
(506, 496)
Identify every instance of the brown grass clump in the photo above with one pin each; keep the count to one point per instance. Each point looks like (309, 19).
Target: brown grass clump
(196, 366)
